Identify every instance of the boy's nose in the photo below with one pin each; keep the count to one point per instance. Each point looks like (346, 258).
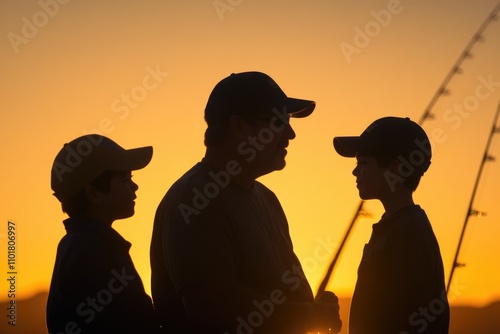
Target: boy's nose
(355, 171)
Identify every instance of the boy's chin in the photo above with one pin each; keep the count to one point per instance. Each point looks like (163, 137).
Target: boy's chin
(126, 215)
(364, 196)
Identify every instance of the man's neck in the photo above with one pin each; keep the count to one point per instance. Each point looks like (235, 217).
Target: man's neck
(239, 172)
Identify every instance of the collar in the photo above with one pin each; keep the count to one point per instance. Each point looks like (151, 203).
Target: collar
(387, 220)
(399, 211)
(94, 226)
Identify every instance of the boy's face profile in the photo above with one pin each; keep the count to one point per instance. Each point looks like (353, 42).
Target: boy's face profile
(118, 203)
(370, 178)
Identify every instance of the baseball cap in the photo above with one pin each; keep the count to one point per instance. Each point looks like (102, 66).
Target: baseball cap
(390, 136)
(251, 93)
(83, 159)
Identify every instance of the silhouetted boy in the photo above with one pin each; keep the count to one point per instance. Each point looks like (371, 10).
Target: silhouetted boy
(95, 287)
(400, 287)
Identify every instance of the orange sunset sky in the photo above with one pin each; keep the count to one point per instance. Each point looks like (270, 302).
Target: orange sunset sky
(140, 72)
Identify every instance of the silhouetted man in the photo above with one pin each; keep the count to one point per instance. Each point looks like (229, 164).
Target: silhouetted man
(221, 255)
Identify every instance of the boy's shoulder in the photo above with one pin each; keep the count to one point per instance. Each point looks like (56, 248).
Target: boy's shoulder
(413, 228)
(83, 238)
(84, 243)
(86, 252)
(410, 220)
(88, 238)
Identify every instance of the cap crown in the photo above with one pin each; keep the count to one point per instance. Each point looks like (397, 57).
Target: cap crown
(392, 137)
(83, 159)
(251, 93)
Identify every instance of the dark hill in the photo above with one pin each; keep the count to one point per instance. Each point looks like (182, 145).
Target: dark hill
(30, 317)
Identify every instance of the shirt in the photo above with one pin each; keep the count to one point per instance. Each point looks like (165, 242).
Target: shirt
(400, 286)
(95, 287)
(209, 230)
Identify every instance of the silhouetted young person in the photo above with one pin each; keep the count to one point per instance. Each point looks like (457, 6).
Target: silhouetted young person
(221, 255)
(95, 287)
(400, 287)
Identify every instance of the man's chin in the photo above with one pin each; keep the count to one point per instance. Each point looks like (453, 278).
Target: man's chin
(277, 166)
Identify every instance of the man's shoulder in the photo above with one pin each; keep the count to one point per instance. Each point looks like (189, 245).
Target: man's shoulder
(189, 195)
(195, 176)
(264, 190)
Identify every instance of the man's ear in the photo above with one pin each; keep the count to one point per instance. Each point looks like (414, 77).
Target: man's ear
(239, 128)
(92, 194)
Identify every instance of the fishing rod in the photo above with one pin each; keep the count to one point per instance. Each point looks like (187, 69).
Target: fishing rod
(329, 271)
(455, 69)
(442, 90)
(471, 212)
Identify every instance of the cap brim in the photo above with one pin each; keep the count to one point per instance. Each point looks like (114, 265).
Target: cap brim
(299, 108)
(346, 146)
(136, 158)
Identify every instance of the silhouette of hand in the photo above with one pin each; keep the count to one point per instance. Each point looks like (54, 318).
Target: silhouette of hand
(326, 308)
